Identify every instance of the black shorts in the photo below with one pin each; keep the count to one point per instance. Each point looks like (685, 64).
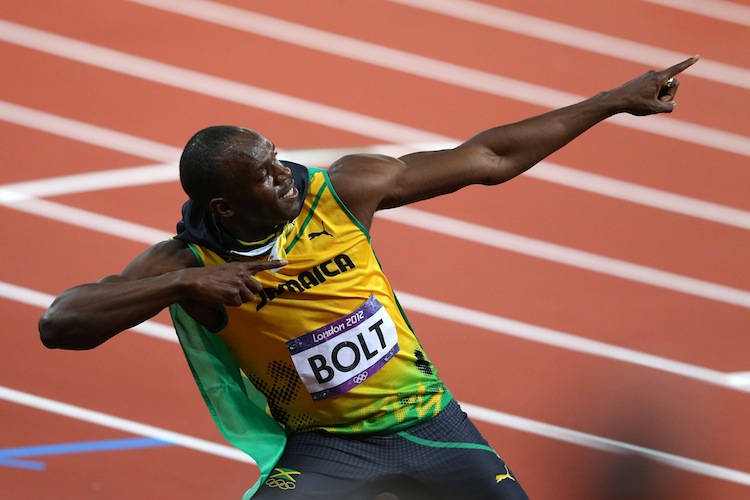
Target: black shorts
(442, 458)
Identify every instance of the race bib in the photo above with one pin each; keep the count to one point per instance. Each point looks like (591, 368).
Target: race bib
(341, 355)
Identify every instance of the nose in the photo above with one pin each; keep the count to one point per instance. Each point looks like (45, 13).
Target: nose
(281, 173)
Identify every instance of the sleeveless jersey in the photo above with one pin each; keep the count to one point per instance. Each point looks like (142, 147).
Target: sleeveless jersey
(326, 341)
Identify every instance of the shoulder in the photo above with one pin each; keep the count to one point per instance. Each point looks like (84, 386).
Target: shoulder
(362, 182)
(362, 163)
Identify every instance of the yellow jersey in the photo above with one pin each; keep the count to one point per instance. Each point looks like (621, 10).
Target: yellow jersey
(326, 341)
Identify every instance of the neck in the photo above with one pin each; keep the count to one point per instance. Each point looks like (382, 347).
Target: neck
(252, 236)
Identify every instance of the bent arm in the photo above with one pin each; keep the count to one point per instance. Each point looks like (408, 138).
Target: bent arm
(167, 273)
(87, 315)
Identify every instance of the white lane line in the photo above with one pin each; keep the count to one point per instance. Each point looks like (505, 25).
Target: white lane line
(87, 133)
(739, 379)
(545, 171)
(85, 219)
(42, 300)
(358, 50)
(604, 444)
(718, 9)
(92, 181)
(476, 12)
(642, 195)
(345, 120)
(584, 39)
(122, 424)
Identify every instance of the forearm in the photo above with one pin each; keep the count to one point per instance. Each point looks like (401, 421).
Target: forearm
(517, 147)
(491, 157)
(514, 148)
(88, 315)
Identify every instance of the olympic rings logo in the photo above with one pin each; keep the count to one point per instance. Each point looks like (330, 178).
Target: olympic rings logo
(280, 484)
(360, 378)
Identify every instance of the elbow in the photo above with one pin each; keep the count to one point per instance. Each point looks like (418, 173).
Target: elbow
(50, 331)
(56, 333)
(501, 171)
(491, 168)
(505, 169)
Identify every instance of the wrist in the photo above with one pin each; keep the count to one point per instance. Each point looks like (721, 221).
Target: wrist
(609, 103)
(176, 286)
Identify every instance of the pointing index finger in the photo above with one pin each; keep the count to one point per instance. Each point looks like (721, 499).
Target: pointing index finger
(680, 67)
(273, 264)
(262, 265)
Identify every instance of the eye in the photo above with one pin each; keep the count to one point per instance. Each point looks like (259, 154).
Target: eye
(262, 174)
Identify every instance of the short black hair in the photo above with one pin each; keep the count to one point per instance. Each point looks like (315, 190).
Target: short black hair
(201, 174)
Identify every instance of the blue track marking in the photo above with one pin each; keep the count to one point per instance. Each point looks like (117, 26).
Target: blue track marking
(13, 457)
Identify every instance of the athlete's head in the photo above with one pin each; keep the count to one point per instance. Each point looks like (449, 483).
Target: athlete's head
(234, 172)
(201, 163)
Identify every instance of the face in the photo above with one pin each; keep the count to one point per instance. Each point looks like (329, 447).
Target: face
(259, 193)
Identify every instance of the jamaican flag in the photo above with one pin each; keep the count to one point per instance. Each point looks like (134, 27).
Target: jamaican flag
(237, 407)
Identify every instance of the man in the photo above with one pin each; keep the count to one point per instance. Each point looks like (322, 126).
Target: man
(292, 331)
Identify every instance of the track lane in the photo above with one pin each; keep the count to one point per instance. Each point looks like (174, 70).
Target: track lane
(567, 473)
(584, 393)
(147, 472)
(654, 25)
(38, 155)
(127, 99)
(546, 294)
(605, 227)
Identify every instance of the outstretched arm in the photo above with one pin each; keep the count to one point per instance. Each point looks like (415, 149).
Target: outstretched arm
(369, 183)
(88, 315)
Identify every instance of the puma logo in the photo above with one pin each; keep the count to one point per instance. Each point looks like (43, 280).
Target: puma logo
(507, 475)
(312, 236)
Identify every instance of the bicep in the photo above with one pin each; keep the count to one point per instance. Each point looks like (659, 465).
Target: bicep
(161, 258)
(434, 173)
(367, 183)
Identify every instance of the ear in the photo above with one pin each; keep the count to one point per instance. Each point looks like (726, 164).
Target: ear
(221, 207)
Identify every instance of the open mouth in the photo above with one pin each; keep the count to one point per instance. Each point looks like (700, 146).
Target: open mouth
(291, 194)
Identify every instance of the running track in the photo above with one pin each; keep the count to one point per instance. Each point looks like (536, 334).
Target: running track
(592, 315)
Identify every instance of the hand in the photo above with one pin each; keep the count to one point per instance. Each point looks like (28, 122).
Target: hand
(653, 92)
(230, 284)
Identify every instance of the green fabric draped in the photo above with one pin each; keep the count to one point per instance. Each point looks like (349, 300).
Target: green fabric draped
(237, 407)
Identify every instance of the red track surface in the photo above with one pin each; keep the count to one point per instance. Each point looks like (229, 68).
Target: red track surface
(145, 379)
